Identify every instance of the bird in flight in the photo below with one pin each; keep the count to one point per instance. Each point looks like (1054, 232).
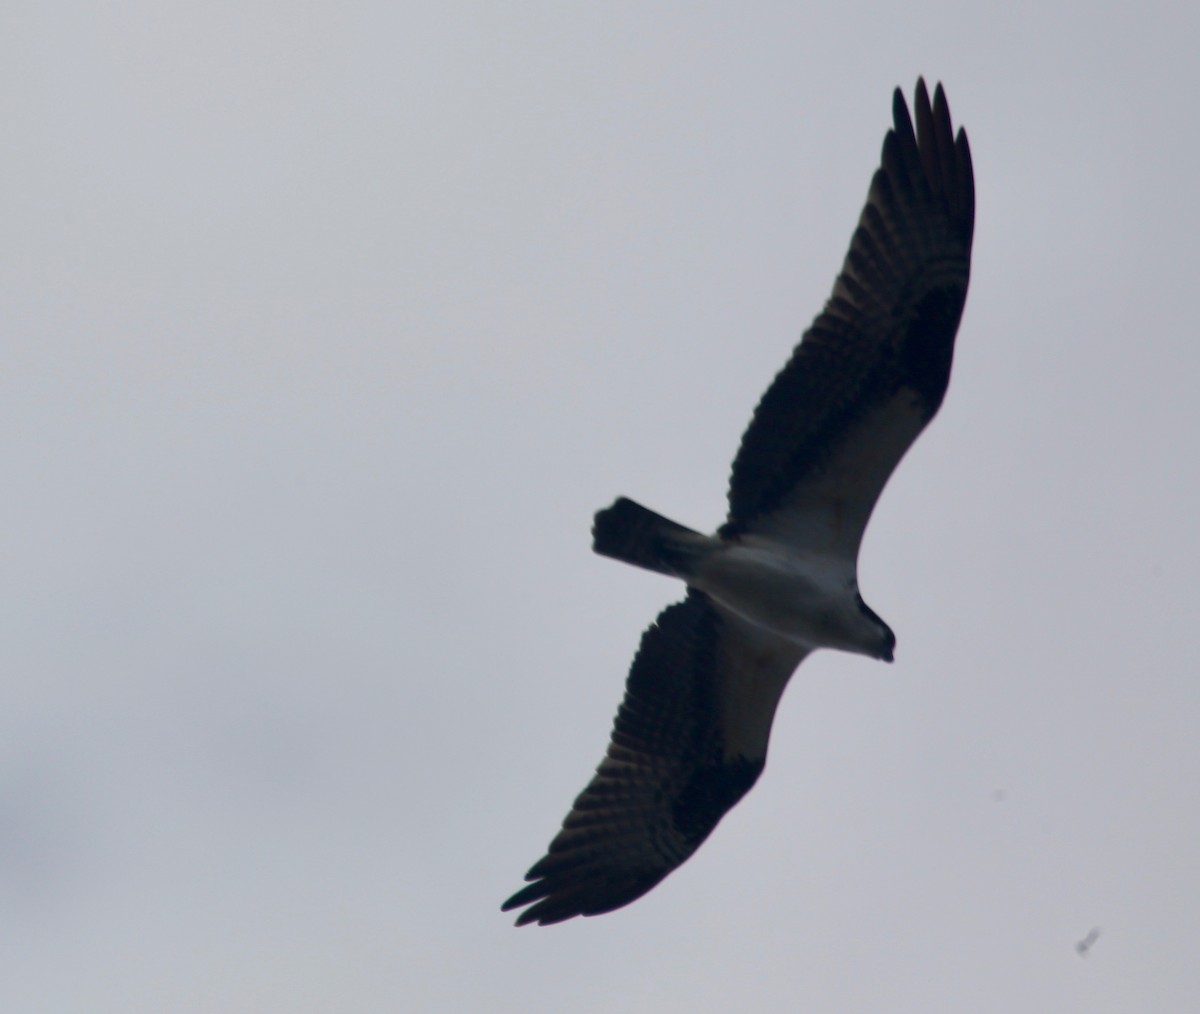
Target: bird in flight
(779, 578)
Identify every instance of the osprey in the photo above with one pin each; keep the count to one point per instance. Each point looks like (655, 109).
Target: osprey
(779, 578)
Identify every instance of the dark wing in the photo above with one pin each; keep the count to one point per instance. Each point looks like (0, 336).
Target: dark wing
(689, 741)
(872, 370)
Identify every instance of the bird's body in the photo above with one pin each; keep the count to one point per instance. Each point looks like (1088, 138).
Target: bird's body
(779, 579)
(803, 597)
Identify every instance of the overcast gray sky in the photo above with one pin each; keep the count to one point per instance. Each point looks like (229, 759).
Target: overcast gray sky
(327, 327)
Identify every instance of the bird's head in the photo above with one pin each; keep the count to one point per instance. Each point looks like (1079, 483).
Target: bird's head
(884, 647)
(887, 644)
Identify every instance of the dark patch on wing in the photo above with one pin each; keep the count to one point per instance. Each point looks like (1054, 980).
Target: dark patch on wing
(927, 349)
(887, 329)
(710, 793)
(663, 785)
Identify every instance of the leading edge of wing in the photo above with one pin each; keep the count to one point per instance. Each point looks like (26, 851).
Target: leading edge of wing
(688, 741)
(887, 331)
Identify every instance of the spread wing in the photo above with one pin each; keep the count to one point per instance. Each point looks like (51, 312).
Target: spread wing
(871, 371)
(689, 740)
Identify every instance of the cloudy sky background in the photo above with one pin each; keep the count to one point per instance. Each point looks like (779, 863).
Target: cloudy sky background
(326, 328)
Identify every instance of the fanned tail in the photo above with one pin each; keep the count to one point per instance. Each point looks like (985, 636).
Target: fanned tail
(631, 533)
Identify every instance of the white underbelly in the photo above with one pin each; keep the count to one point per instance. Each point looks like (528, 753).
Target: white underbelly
(811, 602)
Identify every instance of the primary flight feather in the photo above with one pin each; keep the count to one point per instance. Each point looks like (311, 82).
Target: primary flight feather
(779, 578)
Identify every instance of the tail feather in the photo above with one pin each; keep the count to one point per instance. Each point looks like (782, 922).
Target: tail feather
(631, 533)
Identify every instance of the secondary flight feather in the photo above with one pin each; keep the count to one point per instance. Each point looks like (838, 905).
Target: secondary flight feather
(779, 578)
